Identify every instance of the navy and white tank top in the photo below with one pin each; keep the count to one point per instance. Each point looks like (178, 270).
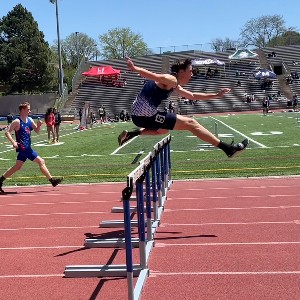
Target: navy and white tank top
(149, 98)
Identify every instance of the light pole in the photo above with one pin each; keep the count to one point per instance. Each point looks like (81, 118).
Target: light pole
(77, 54)
(60, 69)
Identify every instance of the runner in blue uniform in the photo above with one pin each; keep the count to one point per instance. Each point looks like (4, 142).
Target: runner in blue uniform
(23, 126)
(159, 87)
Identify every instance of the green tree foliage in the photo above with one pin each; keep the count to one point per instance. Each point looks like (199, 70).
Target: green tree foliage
(24, 54)
(260, 31)
(121, 42)
(290, 37)
(78, 46)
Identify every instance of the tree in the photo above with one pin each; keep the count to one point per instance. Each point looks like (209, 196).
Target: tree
(220, 45)
(290, 37)
(260, 31)
(77, 46)
(24, 53)
(119, 42)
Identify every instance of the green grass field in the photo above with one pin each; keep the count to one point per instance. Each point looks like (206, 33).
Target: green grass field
(90, 155)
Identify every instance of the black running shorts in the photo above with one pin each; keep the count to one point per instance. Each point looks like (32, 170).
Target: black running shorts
(161, 120)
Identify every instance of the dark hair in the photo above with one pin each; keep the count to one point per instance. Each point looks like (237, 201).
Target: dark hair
(180, 65)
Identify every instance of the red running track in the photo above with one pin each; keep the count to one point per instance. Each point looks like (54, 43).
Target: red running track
(218, 239)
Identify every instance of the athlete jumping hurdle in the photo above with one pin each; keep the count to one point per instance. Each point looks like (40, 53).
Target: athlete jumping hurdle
(159, 87)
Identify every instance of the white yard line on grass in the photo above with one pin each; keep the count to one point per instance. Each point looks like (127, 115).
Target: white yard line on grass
(119, 148)
(242, 134)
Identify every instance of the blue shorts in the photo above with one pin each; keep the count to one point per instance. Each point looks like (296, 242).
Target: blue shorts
(27, 154)
(161, 120)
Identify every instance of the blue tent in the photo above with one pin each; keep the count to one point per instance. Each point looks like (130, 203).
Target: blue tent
(265, 74)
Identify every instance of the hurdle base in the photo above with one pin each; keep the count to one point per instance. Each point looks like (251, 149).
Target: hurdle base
(132, 209)
(82, 271)
(109, 243)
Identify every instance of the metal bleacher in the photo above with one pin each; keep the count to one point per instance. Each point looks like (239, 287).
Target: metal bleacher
(115, 99)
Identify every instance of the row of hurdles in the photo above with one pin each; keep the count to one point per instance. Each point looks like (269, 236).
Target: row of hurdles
(147, 187)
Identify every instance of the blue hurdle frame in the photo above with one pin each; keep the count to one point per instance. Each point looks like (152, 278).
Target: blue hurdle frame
(155, 167)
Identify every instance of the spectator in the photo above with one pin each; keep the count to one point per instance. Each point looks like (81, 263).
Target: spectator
(122, 116)
(266, 106)
(127, 116)
(80, 114)
(57, 118)
(9, 118)
(295, 102)
(50, 120)
(171, 106)
(101, 114)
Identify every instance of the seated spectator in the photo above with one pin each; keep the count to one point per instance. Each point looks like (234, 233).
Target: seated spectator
(278, 94)
(122, 116)
(171, 106)
(239, 83)
(127, 116)
(289, 79)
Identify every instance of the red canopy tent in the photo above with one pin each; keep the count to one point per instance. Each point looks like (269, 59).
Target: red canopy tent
(102, 71)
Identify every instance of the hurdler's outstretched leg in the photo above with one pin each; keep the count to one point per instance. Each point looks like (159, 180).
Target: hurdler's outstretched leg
(189, 124)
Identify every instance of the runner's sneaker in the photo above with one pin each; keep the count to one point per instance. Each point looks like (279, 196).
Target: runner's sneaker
(236, 148)
(1, 191)
(123, 137)
(56, 181)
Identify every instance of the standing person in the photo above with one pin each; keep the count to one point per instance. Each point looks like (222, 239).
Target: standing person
(57, 121)
(101, 114)
(159, 87)
(50, 120)
(9, 118)
(80, 115)
(266, 106)
(23, 126)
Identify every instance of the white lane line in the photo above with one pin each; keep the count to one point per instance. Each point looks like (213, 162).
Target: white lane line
(41, 248)
(233, 197)
(47, 228)
(242, 134)
(31, 276)
(55, 203)
(162, 245)
(233, 223)
(158, 273)
(231, 208)
(58, 213)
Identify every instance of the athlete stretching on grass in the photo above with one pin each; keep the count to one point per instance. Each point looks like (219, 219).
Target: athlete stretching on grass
(23, 127)
(158, 87)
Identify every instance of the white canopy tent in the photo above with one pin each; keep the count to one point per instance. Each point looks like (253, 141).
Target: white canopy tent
(203, 62)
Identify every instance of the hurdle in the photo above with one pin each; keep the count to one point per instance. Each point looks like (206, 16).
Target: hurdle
(155, 167)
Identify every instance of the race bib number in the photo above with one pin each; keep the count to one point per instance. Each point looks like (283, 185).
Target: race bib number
(160, 118)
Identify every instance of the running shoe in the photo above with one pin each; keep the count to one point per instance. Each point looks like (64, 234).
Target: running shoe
(237, 148)
(56, 181)
(123, 137)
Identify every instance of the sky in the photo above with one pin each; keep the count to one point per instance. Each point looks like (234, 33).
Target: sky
(161, 23)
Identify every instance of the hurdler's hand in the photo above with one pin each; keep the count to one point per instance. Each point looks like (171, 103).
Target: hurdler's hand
(130, 64)
(223, 92)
